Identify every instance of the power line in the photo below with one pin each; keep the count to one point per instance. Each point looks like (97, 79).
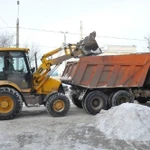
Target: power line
(42, 30)
(6, 27)
(4, 21)
(119, 38)
(52, 31)
(6, 24)
(122, 38)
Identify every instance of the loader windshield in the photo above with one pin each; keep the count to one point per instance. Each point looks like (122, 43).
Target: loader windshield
(16, 62)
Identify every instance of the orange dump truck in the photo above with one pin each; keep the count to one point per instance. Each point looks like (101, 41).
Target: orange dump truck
(100, 82)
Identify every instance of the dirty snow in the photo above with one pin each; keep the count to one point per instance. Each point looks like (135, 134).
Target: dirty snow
(35, 129)
(126, 122)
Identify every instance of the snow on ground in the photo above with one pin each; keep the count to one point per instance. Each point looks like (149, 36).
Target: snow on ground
(126, 122)
(35, 129)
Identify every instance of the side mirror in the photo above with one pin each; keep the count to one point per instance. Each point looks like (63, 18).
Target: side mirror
(32, 69)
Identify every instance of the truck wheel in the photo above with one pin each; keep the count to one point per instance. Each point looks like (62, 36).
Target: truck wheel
(58, 105)
(142, 100)
(94, 102)
(122, 96)
(109, 105)
(11, 103)
(76, 101)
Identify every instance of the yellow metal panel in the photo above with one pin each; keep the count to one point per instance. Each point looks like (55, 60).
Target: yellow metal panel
(9, 83)
(14, 49)
(49, 86)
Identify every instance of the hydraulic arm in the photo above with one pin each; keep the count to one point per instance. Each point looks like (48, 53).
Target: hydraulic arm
(80, 49)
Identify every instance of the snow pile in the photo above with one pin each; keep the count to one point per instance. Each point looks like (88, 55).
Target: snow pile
(127, 122)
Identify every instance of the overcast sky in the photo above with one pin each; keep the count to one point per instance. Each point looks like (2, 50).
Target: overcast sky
(112, 18)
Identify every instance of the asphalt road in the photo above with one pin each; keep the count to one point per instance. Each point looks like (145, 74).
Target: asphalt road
(35, 129)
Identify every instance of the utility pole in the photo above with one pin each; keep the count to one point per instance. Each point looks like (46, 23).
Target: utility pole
(35, 56)
(17, 27)
(81, 31)
(64, 33)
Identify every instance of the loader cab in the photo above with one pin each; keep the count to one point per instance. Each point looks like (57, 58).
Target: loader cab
(15, 67)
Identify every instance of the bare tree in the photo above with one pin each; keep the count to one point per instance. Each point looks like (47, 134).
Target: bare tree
(34, 50)
(6, 39)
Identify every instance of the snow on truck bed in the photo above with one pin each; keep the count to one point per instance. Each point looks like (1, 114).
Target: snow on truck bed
(127, 122)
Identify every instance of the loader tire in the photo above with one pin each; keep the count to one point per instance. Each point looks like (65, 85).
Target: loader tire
(76, 101)
(11, 103)
(121, 97)
(58, 105)
(94, 102)
(47, 96)
(142, 100)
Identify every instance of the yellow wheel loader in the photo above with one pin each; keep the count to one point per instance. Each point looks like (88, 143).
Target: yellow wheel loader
(19, 83)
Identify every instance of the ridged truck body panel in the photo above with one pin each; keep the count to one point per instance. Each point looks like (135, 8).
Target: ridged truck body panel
(129, 70)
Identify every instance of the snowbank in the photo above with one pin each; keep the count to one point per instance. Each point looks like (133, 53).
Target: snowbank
(127, 122)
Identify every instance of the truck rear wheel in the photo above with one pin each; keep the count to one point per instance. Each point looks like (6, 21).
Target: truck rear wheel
(142, 100)
(58, 105)
(122, 96)
(11, 103)
(94, 102)
(109, 105)
(76, 101)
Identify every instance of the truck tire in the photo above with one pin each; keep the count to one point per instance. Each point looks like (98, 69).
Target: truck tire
(75, 100)
(109, 103)
(11, 103)
(122, 96)
(142, 100)
(58, 105)
(94, 102)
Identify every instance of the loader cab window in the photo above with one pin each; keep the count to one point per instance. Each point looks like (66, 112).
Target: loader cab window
(2, 75)
(15, 62)
(17, 69)
(1, 63)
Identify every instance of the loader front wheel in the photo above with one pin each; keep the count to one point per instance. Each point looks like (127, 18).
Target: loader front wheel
(10, 103)
(94, 102)
(58, 105)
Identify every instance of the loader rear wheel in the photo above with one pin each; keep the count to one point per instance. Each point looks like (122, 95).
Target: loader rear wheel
(121, 97)
(142, 100)
(58, 105)
(76, 101)
(94, 102)
(10, 103)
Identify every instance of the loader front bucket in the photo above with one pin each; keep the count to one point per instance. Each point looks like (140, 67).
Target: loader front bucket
(90, 44)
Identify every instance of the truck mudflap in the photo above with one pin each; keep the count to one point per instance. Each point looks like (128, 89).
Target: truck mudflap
(128, 70)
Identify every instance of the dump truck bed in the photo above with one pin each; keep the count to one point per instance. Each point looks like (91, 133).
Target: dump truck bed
(129, 70)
